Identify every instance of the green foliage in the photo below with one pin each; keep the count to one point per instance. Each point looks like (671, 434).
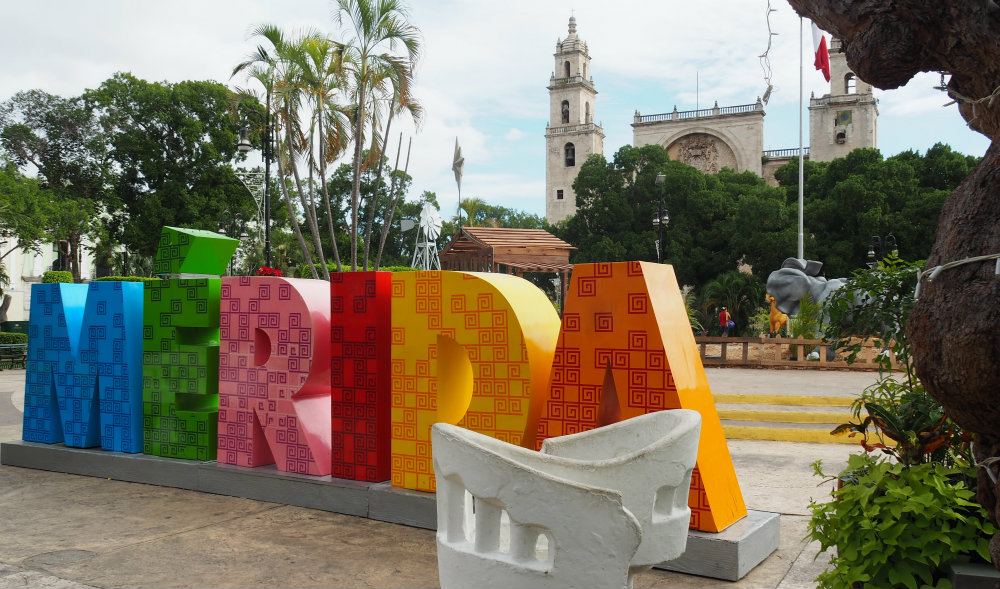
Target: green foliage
(172, 144)
(52, 276)
(692, 313)
(127, 279)
(895, 523)
(339, 188)
(808, 323)
(479, 213)
(892, 525)
(709, 215)
(7, 337)
(875, 305)
(903, 421)
(759, 323)
(23, 211)
(303, 271)
(850, 199)
(60, 138)
(739, 292)
(894, 416)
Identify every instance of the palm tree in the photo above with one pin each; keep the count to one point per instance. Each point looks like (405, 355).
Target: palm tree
(476, 210)
(322, 78)
(269, 67)
(741, 293)
(378, 26)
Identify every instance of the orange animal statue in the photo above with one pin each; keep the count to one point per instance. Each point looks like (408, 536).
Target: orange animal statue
(777, 318)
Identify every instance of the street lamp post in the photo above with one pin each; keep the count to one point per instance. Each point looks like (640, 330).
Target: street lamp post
(880, 248)
(267, 152)
(662, 218)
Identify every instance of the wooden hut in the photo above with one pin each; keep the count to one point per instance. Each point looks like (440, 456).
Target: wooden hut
(511, 251)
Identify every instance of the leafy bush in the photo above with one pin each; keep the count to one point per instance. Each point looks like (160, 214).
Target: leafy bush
(692, 313)
(760, 323)
(54, 276)
(7, 337)
(126, 279)
(908, 423)
(875, 305)
(303, 271)
(895, 523)
(898, 526)
(808, 322)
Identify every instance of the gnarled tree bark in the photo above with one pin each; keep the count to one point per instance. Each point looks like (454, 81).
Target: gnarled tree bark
(955, 326)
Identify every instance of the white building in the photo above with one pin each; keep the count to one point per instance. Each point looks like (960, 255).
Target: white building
(25, 268)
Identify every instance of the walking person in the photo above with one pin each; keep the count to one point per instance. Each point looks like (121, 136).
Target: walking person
(725, 322)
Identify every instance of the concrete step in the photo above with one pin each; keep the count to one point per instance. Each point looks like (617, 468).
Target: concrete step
(784, 417)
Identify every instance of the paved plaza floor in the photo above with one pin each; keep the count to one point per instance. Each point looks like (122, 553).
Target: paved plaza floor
(67, 531)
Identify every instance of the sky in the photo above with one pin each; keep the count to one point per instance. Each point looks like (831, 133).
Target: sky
(483, 72)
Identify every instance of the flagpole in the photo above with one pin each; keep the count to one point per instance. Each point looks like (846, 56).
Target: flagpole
(801, 162)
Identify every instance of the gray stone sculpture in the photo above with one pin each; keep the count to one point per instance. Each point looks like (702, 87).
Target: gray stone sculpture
(794, 279)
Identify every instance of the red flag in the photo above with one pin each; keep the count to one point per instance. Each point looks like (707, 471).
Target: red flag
(822, 61)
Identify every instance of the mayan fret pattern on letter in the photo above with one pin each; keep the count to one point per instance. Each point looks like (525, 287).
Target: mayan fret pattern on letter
(627, 321)
(274, 391)
(480, 318)
(360, 323)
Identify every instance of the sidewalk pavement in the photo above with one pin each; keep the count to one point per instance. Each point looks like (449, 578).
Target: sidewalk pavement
(65, 531)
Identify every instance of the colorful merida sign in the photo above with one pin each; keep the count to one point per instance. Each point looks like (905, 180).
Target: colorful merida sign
(346, 378)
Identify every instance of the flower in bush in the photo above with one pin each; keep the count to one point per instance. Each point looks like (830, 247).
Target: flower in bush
(268, 271)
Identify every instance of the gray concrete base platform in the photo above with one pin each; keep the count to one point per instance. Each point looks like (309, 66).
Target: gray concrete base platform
(965, 575)
(733, 552)
(728, 555)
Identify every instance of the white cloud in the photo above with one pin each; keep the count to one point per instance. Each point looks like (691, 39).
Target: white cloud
(514, 135)
(484, 70)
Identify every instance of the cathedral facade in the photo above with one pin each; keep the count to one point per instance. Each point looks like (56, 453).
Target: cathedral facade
(708, 139)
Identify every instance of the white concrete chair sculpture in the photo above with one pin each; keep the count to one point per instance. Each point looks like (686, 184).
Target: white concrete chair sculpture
(590, 510)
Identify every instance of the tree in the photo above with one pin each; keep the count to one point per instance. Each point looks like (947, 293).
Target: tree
(851, 199)
(742, 294)
(171, 145)
(322, 77)
(953, 325)
(278, 69)
(378, 26)
(340, 186)
(60, 138)
(479, 213)
(23, 222)
(709, 216)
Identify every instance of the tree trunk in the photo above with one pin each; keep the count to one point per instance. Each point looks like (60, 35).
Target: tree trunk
(309, 212)
(359, 141)
(294, 219)
(953, 326)
(326, 192)
(378, 182)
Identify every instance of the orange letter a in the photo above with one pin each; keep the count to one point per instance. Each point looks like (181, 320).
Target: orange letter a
(625, 349)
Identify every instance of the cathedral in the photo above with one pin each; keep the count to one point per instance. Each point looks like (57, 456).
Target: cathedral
(708, 139)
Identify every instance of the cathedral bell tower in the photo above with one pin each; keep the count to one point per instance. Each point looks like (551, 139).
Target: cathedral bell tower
(571, 135)
(844, 119)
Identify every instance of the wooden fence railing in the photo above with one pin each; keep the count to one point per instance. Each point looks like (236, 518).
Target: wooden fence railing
(784, 352)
